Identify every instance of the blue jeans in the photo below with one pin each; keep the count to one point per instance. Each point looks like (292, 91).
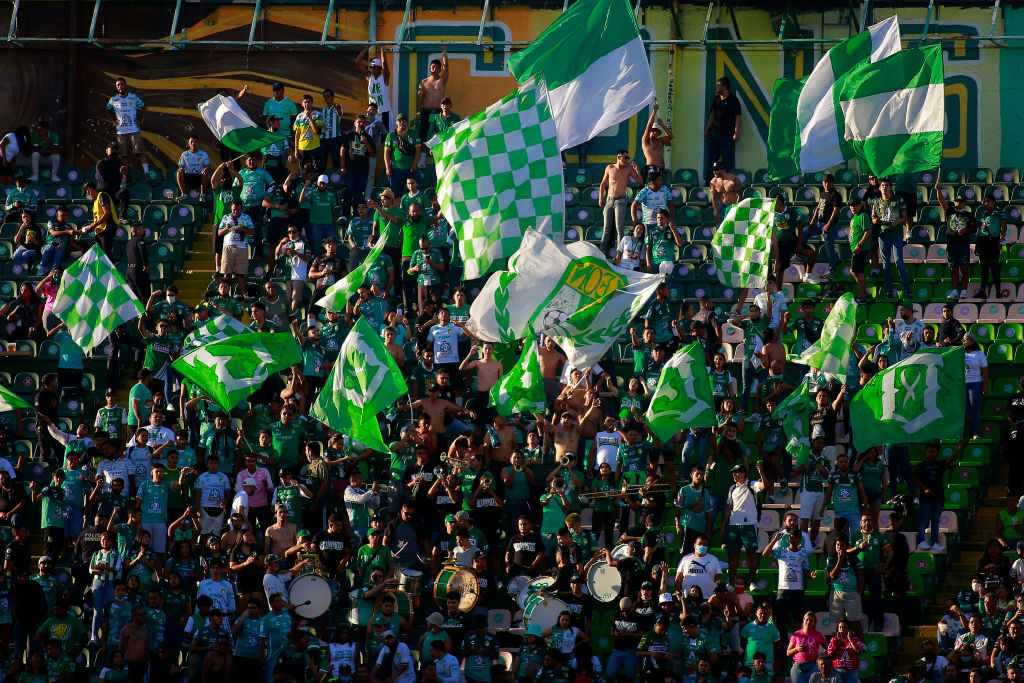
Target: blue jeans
(801, 671)
(700, 444)
(715, 146)
(818, 228)
(397, 179)
(974, 400)
(102, 595)
(930, 511)
(24, 255)
(621, 659)
(846, 675)
(52, 256)
(892, 250)
(750, 375)
(898, 456)
(318, 232)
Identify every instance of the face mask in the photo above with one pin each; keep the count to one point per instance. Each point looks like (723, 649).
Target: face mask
(701, 549)
(171, 299)
(774, 376)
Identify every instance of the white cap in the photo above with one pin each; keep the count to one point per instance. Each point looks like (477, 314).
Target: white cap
(665, 597)
(323, 179)
(376, 62)
(249, 481)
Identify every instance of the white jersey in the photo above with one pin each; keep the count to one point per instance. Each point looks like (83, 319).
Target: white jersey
(342, 653)
(380, 93)
(607, 448)
(126, 109)
(212, 488)
(699, 571)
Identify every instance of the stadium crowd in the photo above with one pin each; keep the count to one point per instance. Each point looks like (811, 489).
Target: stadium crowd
(180, 542)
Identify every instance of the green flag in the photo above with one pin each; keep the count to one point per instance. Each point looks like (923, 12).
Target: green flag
(337, 295)
(229, 370)
(10, 401)
(743, 242)
(795, 413)
(921, 398)
(365, 380)
(831, 353)
(521, 389)
(215, 329)
(683, 398)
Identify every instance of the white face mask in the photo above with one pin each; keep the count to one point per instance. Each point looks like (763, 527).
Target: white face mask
(171, 298)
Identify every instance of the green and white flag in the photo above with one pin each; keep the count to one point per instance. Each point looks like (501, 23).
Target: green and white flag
(595, 66)
(232, 126)
(10, 401)
(831, 353)
(498, 173)
(215, 329)
(521, 389)
(568, 292)
(795, 413)
(229, 370)
(93, 299)
(921, 398)
(805, 132)
(742, 244)
(683, 398)
(893, 112)
(364, 381)
(336, 296)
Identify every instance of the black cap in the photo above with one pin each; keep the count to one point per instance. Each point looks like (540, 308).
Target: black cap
(273, 117)
(828, 178)
(738, 468)
(278, 85)
(719, 166)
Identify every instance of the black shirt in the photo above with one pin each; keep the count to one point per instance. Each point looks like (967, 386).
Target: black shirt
(525, 548)
(930, 473)
(138, 253)
(957, 220)
(723, 115)
(19, 555)
(829, 202)
(455, 626)
(358, 148)
(88, 543)
(580, 608)
(1015, 408)
(108, 173)
(10, 499)
(46, 403)
(629, 622)
(332, 548)
(952, 330)
(826, 417)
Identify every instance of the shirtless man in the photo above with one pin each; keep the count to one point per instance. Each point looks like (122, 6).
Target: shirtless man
(612, 196)
(430, 93)
(281, 535)
(578, 400)
(653, 144)
(566, 433)
(134, 642)
(436, 408)
(726, 188)
(551, 362)
(502, 452)
(488, 372)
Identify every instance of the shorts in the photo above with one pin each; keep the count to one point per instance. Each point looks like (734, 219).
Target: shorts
(234, 260)
(987, 248)
(785, 256)
(157, 535)
(958, 254)
(130, 143)
(741, 537)
(810, 504)
(193, 181)
(845, 605)
(210, 524)
(296, 290)
(873, 497)
(859, 262)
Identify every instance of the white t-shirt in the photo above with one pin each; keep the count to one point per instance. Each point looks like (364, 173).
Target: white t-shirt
(630, 249)
(744, 505)
(402, 656)
(299, 267)
(791, 563)
(778, 306)
(974, 361)
(211, 488)
(127, 111)
(240, 503)
(699, 571)
(379, 92)
(235, 238)
(158, 436)
(341, 653)
(446, 342)
(12, 150)
(607, 448)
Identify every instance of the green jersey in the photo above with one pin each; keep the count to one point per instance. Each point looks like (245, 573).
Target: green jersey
(54, 510)
(721, 383)
(859, 225)
(158, 351)
(633, 458)
(154, 501)
(786, 222)
(689, 518)
(321, 206)
(845, 494)
(847, 579)
(990, 223)
(403, 148)
(374, 311)
(111, 421)
(291, 498)
(254, 184)
(143, 398)
(359, 231)
(659, 315)
(412, 231)
(871, 556)
(286, 440)
(661, 244)
(813, 479)
(427, 275)
(760, 638)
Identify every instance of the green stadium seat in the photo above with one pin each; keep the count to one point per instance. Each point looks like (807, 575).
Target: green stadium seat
(972, 193)
(181, 214)
(707, 273)
(154, 176)
(573, 233)
(745, 175)
(1014, 214)
(1003, 386)
(140, 192)
(999, 353)
(26, 382)
(572, 196)
(687, 215)
(983, 332)
(846, 176)
(923, 234)
(583, 215)
(930, 215)
(686, 177)
(335, 178)
(869, 333)
(980, 176)
(58, 193)
(1010, 332)
(686, 272)
(8, 289)
(73, 174)
(590, 196)
(807, 195)
(707, 215)
(79, 212)
(1000, 192)
(695, 252)
(952, 176)
(1008, 175)
(6, 250)
(703, 233)
(699, 196)
(593, 233)
(48, 351)
(678, 194)
(763, 177)
(755, 192)
(977, 454)
(1017, 193)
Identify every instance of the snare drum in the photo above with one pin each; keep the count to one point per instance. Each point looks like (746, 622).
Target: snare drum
(457, 580)
(410, 581)
(543, 611)
(361, 611)
(533, 587)
(604, 581)
(311, 594)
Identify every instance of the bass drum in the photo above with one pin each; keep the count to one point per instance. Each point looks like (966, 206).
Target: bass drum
(312, 595)
(360, 611)
(457, 580)
(604, 582)
(620, 551)
(533, 587)
(543, 611)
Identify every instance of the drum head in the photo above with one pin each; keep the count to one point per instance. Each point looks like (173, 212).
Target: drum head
(311, 595)
(604, 581)
(620, 551)
(533, 587)
(543, 611)
(468, 587)
(516, 584)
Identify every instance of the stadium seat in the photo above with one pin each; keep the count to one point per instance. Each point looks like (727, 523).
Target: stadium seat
(678, 194)
(572, 196)
(583, 215)
(991, 312)
(687, 177)
(999, 353)
(936, 254)
(972, 193)
(953, 176)
(930, 215)
(73, 174)
(980, 176)
(573, 233)
(590, 195)
(808, 195)
(1000, 192)
(1008, 175)
(913, 253)
(700, 196)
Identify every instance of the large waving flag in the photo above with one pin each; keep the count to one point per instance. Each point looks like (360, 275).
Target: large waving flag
(795, 413)
(10, 401)
(499, 173)
(337, 295)
(742, 244)
(232, 126)
(521, 389)
(831, 353)
(364, 381)
(683, 397)
(229, 370)
(93, 299)
(804, 133)
(215, 329)
(568, 292)
(921, 398)
(595, 66)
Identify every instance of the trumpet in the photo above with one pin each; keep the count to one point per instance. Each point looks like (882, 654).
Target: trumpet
(565, 460)
(557, 486)
(517, 466)
(486, 481)
(385, 488)
(647, 488)
(454, 462)
(438, 471)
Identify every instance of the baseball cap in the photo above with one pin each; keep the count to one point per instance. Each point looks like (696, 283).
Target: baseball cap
(379, 620)
(625, 602)
(718, 165)
(249, 481)
(450, 518)
(302, 532)
(663, 620)
(534, 630)
(818, 432)
(323, 178)
(273, 117)
(461, 515)
(373, 532)
(575, 578)
(665, 597)
(271, 558)
(738, 468)
(45, 558)
(829, 178)
(278, 85)
(908, 304)
(401, 117)
(435, 619)
(376, 62)
(387, 634)
(111, 392)
(647, 586)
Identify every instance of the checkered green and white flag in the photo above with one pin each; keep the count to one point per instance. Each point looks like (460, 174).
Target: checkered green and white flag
(521, 389)
(742, 244)
(498, 173)
(221, 327)
(336, 296)
(93, 299)
(831, 353)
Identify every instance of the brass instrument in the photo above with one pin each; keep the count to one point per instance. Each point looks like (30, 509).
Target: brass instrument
(564, 461)
(557, 486)
(438, 471)
(386, 488)
(454, 462)
(486, 482)
(647, 488)
(517, 466)
(597, 495)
